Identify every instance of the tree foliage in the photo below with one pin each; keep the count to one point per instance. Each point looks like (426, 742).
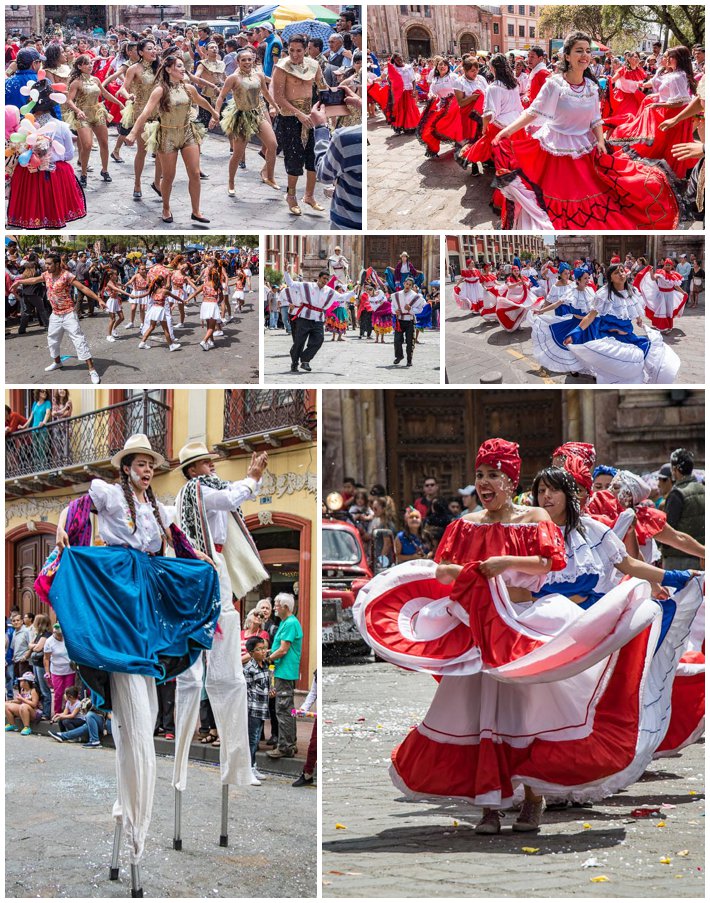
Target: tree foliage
(272, 276)
(130, 241)
(685, 23)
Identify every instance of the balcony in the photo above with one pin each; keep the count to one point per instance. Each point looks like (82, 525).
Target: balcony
(256, 418)
(77, 449)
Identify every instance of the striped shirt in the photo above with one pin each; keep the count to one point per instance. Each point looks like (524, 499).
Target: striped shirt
(258, 678)
(311, 301)
(339, 160)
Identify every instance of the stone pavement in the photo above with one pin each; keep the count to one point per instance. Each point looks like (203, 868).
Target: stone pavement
(59, 831)
(475, 349)
(390, 848)
(257, 206)
(357, 361)
(408, 191)
(235, 358)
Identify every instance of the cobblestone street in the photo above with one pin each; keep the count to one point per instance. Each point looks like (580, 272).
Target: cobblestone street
(375, 845)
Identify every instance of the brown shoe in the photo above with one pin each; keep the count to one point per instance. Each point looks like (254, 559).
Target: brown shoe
(490, 823)
(530, 815)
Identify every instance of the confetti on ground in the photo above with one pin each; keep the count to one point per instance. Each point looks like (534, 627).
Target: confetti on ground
(665, 860)
(456, 824)
(599, 879)
(644, 812)
(586, 826)
(661, 824)
(682, 852)
(530, 850)
(692, 793)
(591, 863)
(339, 827)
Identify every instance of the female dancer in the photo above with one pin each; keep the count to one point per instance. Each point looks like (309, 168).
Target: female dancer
(90, 115)
(212, 290)
(440, 120)
(402, 112)
(240, 282)
(571, 304)
(493, 730)
(560, 176)
(471, 95)
(115, 84)
(337, 319)
(160, 297)
(625, 93)
(609, 349)
(468, 292)
(112, 289)
(662, 292)
(502, 106)
(173, 132)
(181, 282)
(550, 274)
(673, 88)
(140, 81)
(145, 618)
(381, 313)
(515, 300)
(211, 70)
(138, 284)
(244, 116)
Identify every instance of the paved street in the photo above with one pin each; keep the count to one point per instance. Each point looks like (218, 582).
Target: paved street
(388, 848)
(355, 360)
(476, 349)
(235, 358)
(256, 206)
(59, 831)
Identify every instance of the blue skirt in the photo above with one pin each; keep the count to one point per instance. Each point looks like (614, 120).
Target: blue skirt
(125, 611)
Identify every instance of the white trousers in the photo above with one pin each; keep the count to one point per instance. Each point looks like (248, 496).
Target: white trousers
(69, 324)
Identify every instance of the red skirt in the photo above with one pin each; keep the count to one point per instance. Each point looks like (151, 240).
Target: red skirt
(641, 133)
(378, 93)
(45, 200)
(444, 121)
(594, 191)
(623, 105)
(114, 111)
(405, 115)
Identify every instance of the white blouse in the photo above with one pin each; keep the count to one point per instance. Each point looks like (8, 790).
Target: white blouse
(445, 87)
(469, 86)
(219, 502)
(580, 299)
(567, 116)
(407, 74)
(597, 552)
(673, 87)
(115, 523)
(626, 306)
(502, 104)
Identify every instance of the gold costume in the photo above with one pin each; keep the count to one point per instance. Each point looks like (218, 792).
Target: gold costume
(61, 74)
(244, 114)
(141, 87)
(215, 68)
(174, 128)
(88, 100)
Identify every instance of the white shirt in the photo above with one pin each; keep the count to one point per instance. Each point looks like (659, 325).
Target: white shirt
(628, 306)
(219, 502)
(502, 104)
(566, 117)
(115, 524)
(337, 264)
(407, 299)
(407, 74)
(445, 87)
(58, 656)
(469, 86)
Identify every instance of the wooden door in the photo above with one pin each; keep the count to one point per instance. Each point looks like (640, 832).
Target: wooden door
(383, 250)
(30, 555)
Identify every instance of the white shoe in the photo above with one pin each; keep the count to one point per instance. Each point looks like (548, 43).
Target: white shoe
(258, 775)
(229, 319)
(176, 346)
(53, 366)
(144, 345)
(218, 333)
(179, 325)
(95, 378)
(255, 782)
(110, 338)
(130, 326)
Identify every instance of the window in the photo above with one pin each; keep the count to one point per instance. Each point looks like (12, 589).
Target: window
(532, 31)
(532, 10)
(427, 12)
(496, 28)
(511, 9)
(521, 31)
(521, 10)
(511, 30)
(404, 10)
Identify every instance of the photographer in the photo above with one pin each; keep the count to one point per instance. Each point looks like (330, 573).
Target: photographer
(339, 161)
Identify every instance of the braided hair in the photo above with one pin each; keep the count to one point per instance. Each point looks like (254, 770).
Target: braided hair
(559, 479)
(130, 497)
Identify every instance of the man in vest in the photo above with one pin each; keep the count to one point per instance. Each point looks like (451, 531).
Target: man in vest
(308, 302)
(405, 307)
(538, 75)
(685, 509)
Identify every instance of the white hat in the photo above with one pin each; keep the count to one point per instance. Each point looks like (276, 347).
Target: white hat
(194, 451)
(137, 444)
(467, 490)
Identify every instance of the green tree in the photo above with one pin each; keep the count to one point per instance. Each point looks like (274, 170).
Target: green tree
(685, 23)
(272, 276)
(603, 23)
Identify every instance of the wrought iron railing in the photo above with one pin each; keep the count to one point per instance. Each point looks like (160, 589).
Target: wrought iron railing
(248, 412)
(86, 439)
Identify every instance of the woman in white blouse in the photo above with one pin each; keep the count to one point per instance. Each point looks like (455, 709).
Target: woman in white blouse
(561, 177)
(440, 119)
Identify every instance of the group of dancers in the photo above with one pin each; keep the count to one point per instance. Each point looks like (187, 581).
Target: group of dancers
(158, 297)
(569, 150)
(566, 660)
(580, 328)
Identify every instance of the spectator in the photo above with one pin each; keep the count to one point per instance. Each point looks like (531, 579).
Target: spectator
(41, 634)
(258, 678)
(665, 484)
(315, 51)
(270, 625)
(70, 716)
(455, 506)
(306, 777)
(253, 627)
(430, 491)
(20, 646)
(29, 62)
(360, 511)
(347, 491)
(13, 420)
(165, 722)
(57, 667)
(685, 509)
(339, 161)
(286, 655)
(697, 282)
(410, 544)
(24, 705)
(91, 729)
(469, 499)
(684, 268)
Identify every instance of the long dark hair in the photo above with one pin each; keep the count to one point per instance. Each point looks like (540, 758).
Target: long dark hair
(162, 78)
(559, 479)
(140, 47)
(610, 287)
(683, 61)
(131, 499)
(75, 72)
(503, 73)
(435, 68)
(569, 43)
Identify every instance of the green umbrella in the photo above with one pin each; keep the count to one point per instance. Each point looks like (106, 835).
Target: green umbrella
(323, 14)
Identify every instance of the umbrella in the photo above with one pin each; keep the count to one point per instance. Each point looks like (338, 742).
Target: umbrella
(310, 28)
(435, 283)
(277, 14)
(601, 47)
(323, 14)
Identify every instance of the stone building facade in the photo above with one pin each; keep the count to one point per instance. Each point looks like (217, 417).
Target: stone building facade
(428, 30)
(495, 247)
(652, 247)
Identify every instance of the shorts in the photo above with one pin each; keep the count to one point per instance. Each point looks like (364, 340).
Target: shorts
(296, 156)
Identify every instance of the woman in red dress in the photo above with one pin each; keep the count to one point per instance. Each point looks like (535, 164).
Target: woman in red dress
(625, 90)
(440, 120)
(560, 175)
(402, 111)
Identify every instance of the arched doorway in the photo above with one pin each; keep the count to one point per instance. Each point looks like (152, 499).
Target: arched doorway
(418, 42)
(284, 546)
(468, 43)
(25, 554)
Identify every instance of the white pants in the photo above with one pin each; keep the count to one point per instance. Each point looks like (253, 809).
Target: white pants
(134, 712)
(69, 323)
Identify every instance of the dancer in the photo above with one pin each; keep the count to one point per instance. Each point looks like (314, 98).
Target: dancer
(561, 177)
(406, 304)
(402, 112)
(138, 284)
(207, 508)
(440, 119)
(336, 316)
(141, 81)
(626, 95)
(468, 291)
(244, 117)
(114, 83)
(173, 132)
(182, 284)
(338, 265)
(64, 319)
(145, 618)
(292, 82)
(514, 300)
(522, 708)
(112, 289)
(159, 306)
(609, 348)
(381, 314)
(210, 72)
(663, 293)
(538, 75)
(212, 291)
(570, 304)
(240, 281)
(90, 115)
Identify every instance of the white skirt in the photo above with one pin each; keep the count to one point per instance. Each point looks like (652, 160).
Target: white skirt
(238, 295)
(156, 314)
(113, 306)
(209, 310)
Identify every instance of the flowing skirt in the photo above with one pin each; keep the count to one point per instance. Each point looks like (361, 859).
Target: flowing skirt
(662, 305)
(641, 133)
(443, 121)
(45, 200)
(626, 358)
(571, 702)
(468, 295)
(405, 115)
(548, 335)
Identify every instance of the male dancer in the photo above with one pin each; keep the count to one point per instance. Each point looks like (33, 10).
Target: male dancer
(308, 302)
(406, 304)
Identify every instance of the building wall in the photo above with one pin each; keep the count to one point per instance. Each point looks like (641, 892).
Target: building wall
(603, 247)
(524, 25)
(495, 248)
(309, 253)
(445, 26)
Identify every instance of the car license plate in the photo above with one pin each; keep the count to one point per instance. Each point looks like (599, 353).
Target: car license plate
(328, 635)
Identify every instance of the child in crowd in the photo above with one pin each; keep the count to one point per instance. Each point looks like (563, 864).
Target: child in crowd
(24, 705)
(258, 678)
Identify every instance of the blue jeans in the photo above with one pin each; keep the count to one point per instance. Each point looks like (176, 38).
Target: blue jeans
(286, 320)
(273, 319)
(255, 727)
(90, 729)
(45, 694)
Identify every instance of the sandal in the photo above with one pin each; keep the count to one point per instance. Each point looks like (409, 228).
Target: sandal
(269, 182)
(313, 203)
(293, 208)
(208, 738)
(216, 742)
(117, 159)
(156, 189)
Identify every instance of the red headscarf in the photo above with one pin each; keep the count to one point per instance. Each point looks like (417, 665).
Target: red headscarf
(501, 454)
(579, 471)
(584, 450)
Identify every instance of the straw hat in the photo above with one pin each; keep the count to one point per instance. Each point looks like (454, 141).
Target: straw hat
(137, 444)
(194, 451)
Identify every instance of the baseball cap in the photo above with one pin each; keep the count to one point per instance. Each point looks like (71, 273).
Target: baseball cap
(467, 490)
(267, 26)
(27, 56)
(665, 471)
(356, 29)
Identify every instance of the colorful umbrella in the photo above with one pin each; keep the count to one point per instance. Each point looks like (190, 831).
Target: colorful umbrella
(308, 27)
(277, 14)
(323, 14)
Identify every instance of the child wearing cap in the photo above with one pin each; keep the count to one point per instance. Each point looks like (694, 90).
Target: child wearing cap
(24, 705)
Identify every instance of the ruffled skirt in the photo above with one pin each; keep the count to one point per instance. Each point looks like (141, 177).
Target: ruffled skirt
(403, 116)
(240, 123)
(468, 295)
(642, 134)
(590, 731)
(443, 121)
(548, 335)
(45, 200)
(171, 140)
(209, 310)
(626, 358)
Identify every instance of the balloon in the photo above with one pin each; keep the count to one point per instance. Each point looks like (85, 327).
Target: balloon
(41, 75)
(17, 138)
(12, 120)
(59, 86)
(30, 116)
(58, 98)
(34, 95)
(35, 161)
(28, 107)
(25, 158)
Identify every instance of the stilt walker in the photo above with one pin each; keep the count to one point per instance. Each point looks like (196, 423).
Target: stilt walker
(207, 510)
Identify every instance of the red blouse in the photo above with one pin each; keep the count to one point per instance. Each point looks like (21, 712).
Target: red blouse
(649, 522)
(465, 541)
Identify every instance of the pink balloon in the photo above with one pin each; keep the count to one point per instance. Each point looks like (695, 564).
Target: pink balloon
(35, 161)
(41, 74)
(12, 120)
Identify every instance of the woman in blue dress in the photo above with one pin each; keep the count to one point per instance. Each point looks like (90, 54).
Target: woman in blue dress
(568, 305)
(409, 544)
